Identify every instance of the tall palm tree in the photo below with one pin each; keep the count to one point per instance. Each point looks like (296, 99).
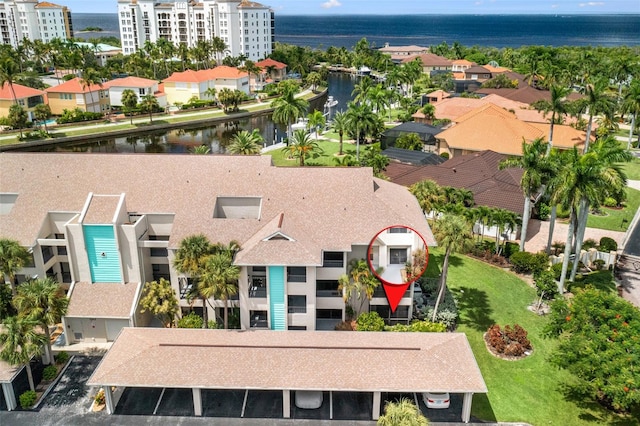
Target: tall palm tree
(13, 257)
(340, 124)
(301, 145)
(536, 170)
(90, 78)
(631, 105)
(219, 279)
(288, 108)
(429, 195)
(8, 73)
(149, 103)
(19, 342)
(189, 260)
(361, 90)
(362, 121)
(44, 302)
(404, 412)
(596, 101)
(246, 143)
(453, 233)
(129, 102)
(315, 120)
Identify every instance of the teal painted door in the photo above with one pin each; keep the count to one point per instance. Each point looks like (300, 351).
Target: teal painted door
(276, 297)
(104, 258)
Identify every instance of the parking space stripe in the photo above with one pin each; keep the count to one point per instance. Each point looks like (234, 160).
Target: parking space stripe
(159, 401)
(244, 403)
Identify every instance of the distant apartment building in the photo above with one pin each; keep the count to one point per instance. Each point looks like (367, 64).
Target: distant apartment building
(33, 20)
(246, 27)
(107, 224)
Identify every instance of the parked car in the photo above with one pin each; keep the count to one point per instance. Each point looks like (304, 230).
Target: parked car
(309, 400)
(436, 400)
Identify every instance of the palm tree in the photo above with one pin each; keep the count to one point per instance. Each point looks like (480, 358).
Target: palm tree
(129, 102)
(201, 150)
(44, 302)
(301, 145)
(13, 257)
(536, 170)
(361, 90)
(20, 342)
(219, 279)
(596, 101)
(149, 103)
(189, 260)
(403, 412)
(631, 105)
(362, 120)
(42, 112)
(314, 79)
(246, 143)
(378, 97)
(315, 120)
(250, 68)
(8, 74)
(340, 124)
(453, 234)
(287, 109)
(90, 77)
(429, 195)
(360, 282)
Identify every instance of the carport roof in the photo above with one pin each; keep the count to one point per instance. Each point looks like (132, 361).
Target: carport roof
(102, 300)
(275, 360)
(8, 372)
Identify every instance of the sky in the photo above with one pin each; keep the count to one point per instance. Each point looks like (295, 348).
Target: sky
(399, 7)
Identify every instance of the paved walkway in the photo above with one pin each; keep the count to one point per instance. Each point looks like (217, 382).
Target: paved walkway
(538, 233)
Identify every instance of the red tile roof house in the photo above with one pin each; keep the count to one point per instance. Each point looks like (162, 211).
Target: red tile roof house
(26, 97)
(103, 233)
(272, 70)
(524, 93)
(140, 86)
(74, 94)
(431, 63)
(182, 86)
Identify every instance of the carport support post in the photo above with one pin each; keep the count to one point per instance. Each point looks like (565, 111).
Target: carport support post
(9, 396)
(197, 401)
(466, 407)
(108, 399)
(376, 406)
(286, 404)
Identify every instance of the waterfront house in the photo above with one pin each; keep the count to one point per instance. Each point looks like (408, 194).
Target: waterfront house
(27, 97)
(182, 86)
(459, 66)
(431, 63)
(103, 230)
(398, 53)
(101, 51)
(140, 86)
(272, 69)
(77, 94)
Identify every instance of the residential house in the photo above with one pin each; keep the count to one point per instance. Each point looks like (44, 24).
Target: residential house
(272, 70)
(494, 128)
(425, 132)
(477, 73)
(27, 97)
(103, 231)
(398, 53)
(76, 94)
(524, 92)
(101, 51)
(140, 86)
(431, 63)
(182, 86)
(459, 66)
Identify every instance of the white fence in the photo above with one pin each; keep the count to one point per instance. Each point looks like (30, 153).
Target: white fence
(588, 258)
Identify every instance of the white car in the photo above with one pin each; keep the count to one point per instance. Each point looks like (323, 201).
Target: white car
(436, 400)
(309, 400)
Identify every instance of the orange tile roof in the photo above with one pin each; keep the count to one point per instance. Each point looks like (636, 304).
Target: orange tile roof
(20, 90)
(74, 86)
(496, 70)
(564, 137)
(463, 62)
(47, 4)
(130, 81)
(270, 63)
(191, 76)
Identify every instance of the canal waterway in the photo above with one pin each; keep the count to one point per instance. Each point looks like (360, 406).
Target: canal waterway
(216, 136)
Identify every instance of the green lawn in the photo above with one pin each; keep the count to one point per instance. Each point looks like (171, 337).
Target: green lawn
(632, 169)
(613, 221)
(325, 157)
(529, 390)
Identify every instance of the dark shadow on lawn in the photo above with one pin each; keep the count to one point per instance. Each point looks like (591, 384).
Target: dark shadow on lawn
(601, 280)
(597, 414)
(473, 306)
(481, 402)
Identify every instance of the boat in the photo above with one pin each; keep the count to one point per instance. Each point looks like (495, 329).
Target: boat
(330, 103)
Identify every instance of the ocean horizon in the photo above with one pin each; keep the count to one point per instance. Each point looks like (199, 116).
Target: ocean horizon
(506, 30)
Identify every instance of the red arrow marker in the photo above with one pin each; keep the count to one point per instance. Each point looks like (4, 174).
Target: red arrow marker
(395, 290)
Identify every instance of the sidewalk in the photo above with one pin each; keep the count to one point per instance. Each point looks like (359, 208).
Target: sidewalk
(538, 233)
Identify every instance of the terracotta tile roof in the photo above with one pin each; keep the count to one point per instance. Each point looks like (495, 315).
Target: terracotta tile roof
(47, 4)
(462, 62)
(478, 172)
(102, 300)
(20, 90)
(191, 76)
(320, 205)
(251, 4)
(429, 60)
(270, 62)
(146, 357)
(496, 70)
(74, 86)
(130, 81)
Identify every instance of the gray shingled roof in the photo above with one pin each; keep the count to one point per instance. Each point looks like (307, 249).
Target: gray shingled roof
(413, 157)
(404, 362)
(102, 300)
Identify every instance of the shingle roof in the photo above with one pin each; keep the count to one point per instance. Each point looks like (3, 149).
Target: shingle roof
(146, 357)
(8, 371)
(74, 86)
(478, 172)
(412, 48)
(426, 132)
(320, 205)
(413, 157)
(429, 60)
(102, 300)
(20, 90)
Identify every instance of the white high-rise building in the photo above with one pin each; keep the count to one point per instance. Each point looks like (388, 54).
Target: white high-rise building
(20, 19)
(246, 27)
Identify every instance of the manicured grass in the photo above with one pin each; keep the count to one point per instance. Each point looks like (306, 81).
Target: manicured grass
(528, 390)
(322, 158)
(613, 221)
(632, 169)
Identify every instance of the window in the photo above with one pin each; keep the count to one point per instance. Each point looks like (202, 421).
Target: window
(333, 259)
(160, 271)
(297, 304)
(327, 288)
(258, 319)
(398, 256)
(398, 230)
(158, 251)
(296, 274)
(47, 254)
(329, 314)
(297, 327)
(142, 91)
(400, 315)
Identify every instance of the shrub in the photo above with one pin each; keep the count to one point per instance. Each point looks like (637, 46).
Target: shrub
(598, 264)
(445, 155)
(510, 249)
(610, 202)
(76, 115)
(192, 320)
(62, 358)
(557, 270)
(510, 341)
(590, 243)
(521, 262)
(608, 244)
(419, 327)
(544, 211)
(546, 286)
(50, 372)
(99, 398)
(370, 321)
(27, 399)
